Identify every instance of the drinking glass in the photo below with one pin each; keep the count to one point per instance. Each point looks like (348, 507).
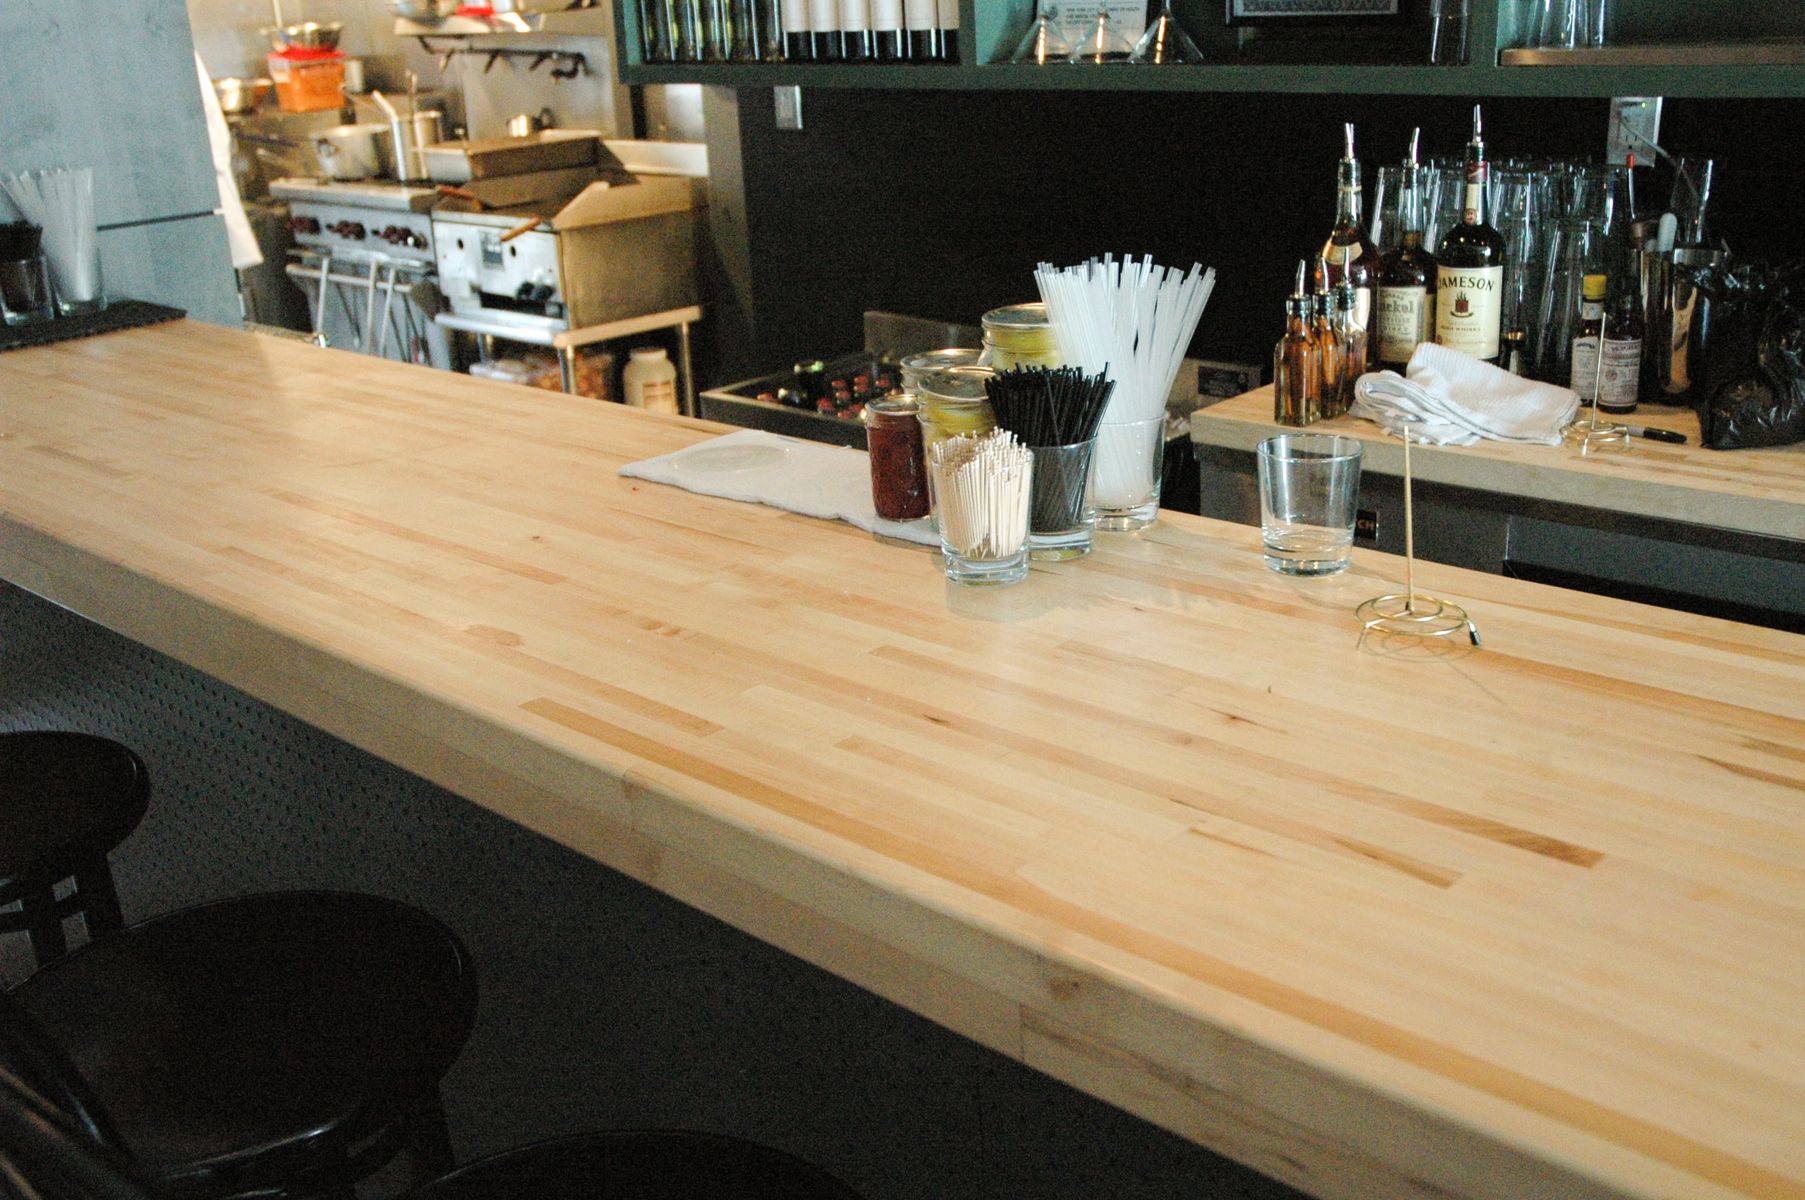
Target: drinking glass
(1448, 33)
(1309, 485)
(1103, 42)
(1691, 200)
(1125, 473)
(1165, 43)
(1059, 517)
(1557, 321)
(655, 31)
(25, 295)
(1563, 25)
(1043, 44)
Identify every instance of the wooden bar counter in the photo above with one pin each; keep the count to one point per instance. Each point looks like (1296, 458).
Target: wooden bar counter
(1525, 921)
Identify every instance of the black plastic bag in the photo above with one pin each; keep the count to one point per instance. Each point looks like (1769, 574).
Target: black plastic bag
(1752, 389)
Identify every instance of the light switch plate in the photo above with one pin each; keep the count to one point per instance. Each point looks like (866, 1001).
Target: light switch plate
(789, 107)
(1635, 123)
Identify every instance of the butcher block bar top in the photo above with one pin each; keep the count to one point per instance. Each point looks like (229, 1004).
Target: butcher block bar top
(1748, 491)
(1521, 921)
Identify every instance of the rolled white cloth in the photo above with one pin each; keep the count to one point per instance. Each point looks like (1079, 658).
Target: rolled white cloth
(1450, 398)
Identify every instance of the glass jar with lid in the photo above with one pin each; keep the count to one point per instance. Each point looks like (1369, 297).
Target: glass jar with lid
(954, 402)
(1019, 336)
(917, 367)
(899, 477)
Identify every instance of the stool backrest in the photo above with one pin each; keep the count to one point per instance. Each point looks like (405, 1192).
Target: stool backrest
(44, 1155)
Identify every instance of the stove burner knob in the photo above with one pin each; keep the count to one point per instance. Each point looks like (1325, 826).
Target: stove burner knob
(543, 292)
(353, 230)
(303, 225)
(415, 241)
(524, 293)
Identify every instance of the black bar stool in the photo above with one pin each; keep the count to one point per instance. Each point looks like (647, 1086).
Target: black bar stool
(284, 1044)
(66, 799)
(50, 1151)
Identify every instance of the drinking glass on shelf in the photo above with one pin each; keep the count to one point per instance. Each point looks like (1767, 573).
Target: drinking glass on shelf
(1557, 319)
(1043, 44)
(1165, 43)
(1563, 25)
(1103, 42)
(1443, 198)
(1598, 19)
(1513, 203)
(1448, 33)
(1691, 200)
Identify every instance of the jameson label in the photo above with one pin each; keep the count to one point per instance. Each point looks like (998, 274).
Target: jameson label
(1468, 304)
(1403, 321)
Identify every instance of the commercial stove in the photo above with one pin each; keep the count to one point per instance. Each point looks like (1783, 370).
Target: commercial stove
(362, 220)
(365, 258)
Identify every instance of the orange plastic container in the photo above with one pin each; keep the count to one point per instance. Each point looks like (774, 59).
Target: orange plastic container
(308, 80)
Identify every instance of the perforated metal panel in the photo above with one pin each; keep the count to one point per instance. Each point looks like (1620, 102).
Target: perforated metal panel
(603, 1002)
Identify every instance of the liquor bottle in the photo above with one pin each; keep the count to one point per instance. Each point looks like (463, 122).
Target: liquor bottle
(1469, 268)
(922, 19)
(856, 43)
(1404, 309)
(890, 39)
(1297, 363)
(798, 42)
(1583, 376)
(1350, 344)
(947, 22)
(1347, 252)
(824, 29)
(1322, 323)
(1622, 351)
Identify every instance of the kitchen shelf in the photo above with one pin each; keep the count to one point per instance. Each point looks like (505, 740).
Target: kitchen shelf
(1753, 69)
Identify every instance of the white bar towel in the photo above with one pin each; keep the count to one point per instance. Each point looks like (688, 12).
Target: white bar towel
(816, 480)
(1450, 398)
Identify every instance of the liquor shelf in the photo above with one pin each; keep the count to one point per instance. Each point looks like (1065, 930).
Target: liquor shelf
(1720, 70)
(1157, 822)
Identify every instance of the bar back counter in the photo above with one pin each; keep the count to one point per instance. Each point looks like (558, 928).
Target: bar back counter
(1374, 920)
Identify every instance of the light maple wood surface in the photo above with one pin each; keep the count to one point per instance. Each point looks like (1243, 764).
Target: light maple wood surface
(1382, 921)
(1750, 491)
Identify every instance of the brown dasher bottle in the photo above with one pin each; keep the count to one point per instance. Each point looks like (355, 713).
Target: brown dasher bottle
(1347, 254)
(1404, 310)
(1469, 268)
(1297, 363)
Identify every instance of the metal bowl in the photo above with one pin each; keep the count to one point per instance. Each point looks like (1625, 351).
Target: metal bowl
(238, 96)
(428, 11)
(308, 35)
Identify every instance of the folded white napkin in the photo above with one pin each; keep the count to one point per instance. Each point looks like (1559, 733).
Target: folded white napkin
(816, 480)
(1450, 398)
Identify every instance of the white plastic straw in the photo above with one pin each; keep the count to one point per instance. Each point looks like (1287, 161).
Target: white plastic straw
(61, 201)
(1132, 321)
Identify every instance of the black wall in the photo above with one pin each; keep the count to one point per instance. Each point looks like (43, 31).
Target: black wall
(939, 204)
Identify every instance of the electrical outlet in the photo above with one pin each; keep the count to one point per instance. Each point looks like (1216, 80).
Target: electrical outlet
(789, 107)
(1635, 128)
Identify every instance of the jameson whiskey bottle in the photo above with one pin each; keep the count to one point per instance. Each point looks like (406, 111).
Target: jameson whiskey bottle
(1347, 252)
(1469, 268)
(1404, 305)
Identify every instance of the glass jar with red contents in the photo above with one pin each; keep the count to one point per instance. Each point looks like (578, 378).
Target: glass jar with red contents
(899, 478)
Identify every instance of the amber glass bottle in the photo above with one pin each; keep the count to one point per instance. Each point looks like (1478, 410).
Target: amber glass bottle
(1469, 268)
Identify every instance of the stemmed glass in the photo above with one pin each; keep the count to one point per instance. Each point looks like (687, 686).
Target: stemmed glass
(1103, 43)
(1165, 43)
(1043, 44)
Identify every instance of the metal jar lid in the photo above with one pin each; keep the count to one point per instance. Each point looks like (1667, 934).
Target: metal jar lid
(1017, 317)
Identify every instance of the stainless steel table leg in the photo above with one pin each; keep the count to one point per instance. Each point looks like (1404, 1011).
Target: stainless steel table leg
(388, 305)
(567, 368)
(368, 341)
(319, 314)
(688, 368)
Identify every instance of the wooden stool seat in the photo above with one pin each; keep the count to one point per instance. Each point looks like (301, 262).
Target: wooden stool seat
(66, 799)
(649, 1165)
(287, 1043)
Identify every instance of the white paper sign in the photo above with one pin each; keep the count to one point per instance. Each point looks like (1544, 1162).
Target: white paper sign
(1075, 17)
